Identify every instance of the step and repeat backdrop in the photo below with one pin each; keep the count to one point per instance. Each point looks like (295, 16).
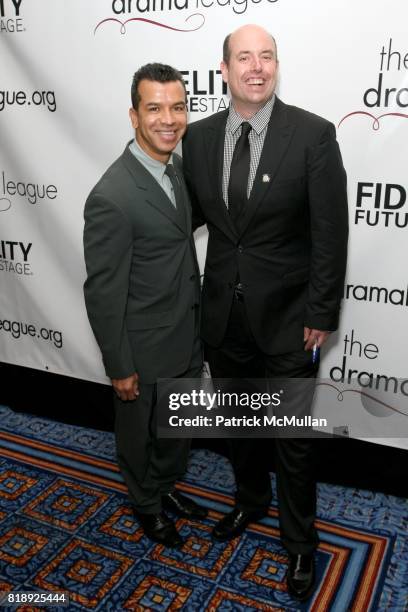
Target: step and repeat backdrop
(65, 74)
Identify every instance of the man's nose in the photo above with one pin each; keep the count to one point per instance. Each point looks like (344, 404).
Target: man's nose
(256, 63)
(167, 116)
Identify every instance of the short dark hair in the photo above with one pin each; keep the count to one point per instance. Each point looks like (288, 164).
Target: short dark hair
(226, 51)
(154, 72)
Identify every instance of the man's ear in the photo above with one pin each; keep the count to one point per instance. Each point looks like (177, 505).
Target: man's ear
(224, 71)
(133, 118)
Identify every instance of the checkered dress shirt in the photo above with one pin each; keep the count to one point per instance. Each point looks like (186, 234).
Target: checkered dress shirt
(259, 123)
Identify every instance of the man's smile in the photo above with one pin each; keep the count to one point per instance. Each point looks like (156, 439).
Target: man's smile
(255, 81)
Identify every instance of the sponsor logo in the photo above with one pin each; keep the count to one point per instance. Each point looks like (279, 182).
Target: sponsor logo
(33, 193)
(381, 205)
(356, 349)
(22, 98)
(194, 20)
(387, 91)
(11, 21)
(19, 329)
(206, 91)
(14, 257)
(378, 295)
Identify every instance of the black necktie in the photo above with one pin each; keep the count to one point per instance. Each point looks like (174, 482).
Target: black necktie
(239, 172)
(175, 183)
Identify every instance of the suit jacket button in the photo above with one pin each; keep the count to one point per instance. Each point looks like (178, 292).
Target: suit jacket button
(240, 248)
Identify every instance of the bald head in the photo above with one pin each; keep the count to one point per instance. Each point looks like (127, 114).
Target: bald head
(250, 68)
(249, 29)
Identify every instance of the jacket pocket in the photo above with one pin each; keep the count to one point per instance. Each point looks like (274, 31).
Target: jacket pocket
(149, 320)
(296, 277)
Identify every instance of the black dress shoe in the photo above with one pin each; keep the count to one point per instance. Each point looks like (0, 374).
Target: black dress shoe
(234, 523)
(183, 506)
(160, 528)
(300, 578)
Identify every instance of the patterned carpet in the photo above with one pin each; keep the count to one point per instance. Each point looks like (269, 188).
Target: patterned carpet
(65, 524)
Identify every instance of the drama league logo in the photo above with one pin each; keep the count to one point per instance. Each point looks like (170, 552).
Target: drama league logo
(33, 193)
(380, 395)
(376, 402)
(123, 24)
(359, 292)
(385, 94)
(191, 23)
(5, 204)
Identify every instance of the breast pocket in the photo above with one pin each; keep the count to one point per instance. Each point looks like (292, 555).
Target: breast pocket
(287, 183)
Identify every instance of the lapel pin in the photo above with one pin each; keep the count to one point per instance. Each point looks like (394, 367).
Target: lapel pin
(266, 178)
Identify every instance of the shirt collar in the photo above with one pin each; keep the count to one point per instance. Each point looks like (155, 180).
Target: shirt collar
(146, 160)
(258, 122)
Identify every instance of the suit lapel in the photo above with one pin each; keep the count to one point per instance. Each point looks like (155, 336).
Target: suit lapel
(214, 141)
(185, 213)
(153, 194)
(277, 139)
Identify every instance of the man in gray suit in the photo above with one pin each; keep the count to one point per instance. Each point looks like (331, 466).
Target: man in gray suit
(142, 293)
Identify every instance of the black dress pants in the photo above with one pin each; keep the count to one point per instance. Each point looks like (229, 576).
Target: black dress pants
(239, 357)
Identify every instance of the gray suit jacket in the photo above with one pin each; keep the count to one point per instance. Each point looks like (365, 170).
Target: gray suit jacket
(142, 288)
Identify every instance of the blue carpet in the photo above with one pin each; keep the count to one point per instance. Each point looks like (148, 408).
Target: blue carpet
(65, 524)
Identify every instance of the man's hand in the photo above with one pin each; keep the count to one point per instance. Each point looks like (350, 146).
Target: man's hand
(126, 389)
(314, 336)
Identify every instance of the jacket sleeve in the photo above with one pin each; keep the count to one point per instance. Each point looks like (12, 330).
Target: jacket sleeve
(108, 245)
(327, 186)
(198, 218)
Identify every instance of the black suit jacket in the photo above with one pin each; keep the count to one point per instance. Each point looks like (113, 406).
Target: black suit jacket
(143, 280)
(289, 250)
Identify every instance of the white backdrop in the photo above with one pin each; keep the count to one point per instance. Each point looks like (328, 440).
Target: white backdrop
(65, 74)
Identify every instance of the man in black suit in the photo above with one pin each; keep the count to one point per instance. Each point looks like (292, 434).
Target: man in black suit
(268, 180)
(142, 293)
